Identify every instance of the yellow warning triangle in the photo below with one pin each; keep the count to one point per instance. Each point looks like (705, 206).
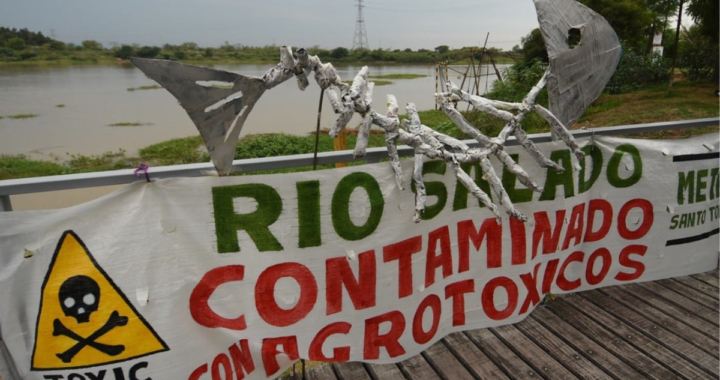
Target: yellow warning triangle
(85, 320)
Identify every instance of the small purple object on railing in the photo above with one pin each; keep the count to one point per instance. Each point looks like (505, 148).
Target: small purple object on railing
(144, 168)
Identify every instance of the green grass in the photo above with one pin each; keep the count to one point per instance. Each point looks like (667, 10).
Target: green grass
(686, 101)
(377, 82)
(151, 87)
(106, 161)
(176, 151)
(398, 76)
(127, 124)
(60, 105)
(23, 116)
(20, 166)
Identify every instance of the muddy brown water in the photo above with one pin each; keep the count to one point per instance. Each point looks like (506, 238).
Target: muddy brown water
(93, 97)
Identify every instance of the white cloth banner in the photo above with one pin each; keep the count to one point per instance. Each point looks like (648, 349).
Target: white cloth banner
(238, 277)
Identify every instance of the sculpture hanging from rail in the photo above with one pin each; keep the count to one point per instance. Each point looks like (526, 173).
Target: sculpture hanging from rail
(575, 77)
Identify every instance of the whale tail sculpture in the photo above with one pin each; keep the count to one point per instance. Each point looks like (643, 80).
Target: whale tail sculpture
(577, 74)
(218, 113)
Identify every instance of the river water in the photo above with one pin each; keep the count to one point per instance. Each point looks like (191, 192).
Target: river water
(96, 96)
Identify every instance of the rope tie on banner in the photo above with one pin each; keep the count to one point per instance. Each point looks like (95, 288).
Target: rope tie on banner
(592, 137)
(144, 168)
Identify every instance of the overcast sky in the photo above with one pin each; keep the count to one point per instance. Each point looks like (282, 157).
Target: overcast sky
(394, 24)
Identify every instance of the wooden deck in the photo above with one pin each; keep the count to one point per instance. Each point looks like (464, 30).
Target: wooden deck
(665, 329)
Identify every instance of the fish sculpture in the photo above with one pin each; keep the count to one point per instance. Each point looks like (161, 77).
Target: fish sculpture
(575, 77)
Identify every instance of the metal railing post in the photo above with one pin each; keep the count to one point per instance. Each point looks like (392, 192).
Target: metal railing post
(5, 204)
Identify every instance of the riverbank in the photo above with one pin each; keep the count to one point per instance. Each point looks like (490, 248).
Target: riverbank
(230, 55)
(686, 101)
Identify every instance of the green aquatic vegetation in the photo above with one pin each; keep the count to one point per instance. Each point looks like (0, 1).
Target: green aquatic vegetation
(60, 105)
(152, 87)
(23, 116)
(127, 124)
(377, 82)
(399, 76)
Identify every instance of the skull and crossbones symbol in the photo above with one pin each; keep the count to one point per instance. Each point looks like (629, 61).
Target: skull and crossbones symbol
(79, 297)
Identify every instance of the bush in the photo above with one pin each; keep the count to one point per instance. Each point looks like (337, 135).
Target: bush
(518, 80)
(57, 45)
(148, 52)
(636, 71)
(27, 54)
(92, 45)
(340, 53)
(6, 52)
(698, 57)
(124, 52)
(697, 63)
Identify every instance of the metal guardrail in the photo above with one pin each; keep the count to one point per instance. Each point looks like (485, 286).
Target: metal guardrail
(125, 176)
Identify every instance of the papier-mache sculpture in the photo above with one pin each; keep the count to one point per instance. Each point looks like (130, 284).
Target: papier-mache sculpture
(575, 77)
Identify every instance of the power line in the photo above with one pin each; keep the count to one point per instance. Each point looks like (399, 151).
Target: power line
(360, 40)
(415, 10)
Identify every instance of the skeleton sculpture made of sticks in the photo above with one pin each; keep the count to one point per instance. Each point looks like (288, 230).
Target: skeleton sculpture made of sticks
(427, 142)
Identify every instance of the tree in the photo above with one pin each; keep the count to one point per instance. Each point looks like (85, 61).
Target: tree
(15, 43)
(534, 47)
(631, 19)
(339, 53)
(91, 45)
(148, 52)
(706, 13)
(661, 10)
(57, 45)
(125, 51)
(442, 49)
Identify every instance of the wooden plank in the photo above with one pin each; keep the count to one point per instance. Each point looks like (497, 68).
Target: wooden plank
(695, 295)
(669, 316)
(543, 363)
(416, 368)
(682, 302)
(708, 278)
(572, 359)
(708, 290)
(466, 351)
(653, 318)
(384, 371)
(657, 342)
(323, 372)
(445, 364)
(351, 371)
(510, 363)
(598, 344)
